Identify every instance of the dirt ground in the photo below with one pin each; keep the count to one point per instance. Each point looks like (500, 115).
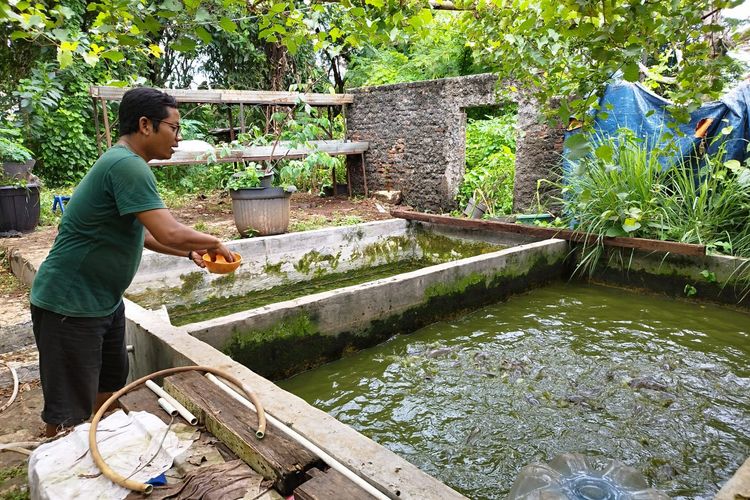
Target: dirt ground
(211, 213)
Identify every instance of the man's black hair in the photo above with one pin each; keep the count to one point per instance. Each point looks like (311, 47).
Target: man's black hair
(143, 101)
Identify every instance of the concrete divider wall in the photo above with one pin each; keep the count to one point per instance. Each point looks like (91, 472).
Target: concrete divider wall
(714, 278)
(267, 262)
(287, 259)
(288, 337)
(159, 345)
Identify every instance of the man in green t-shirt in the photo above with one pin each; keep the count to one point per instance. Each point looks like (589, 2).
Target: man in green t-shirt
(76, 298)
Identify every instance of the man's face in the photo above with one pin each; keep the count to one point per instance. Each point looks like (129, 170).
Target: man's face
(167, 136)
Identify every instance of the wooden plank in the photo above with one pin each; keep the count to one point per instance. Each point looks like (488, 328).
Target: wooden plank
(564, 234)
(327, 485)
(275, 456)
(223, 96)
(283, 150)
(107, 131)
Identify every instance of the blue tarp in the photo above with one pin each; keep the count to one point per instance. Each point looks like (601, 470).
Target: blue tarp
(632, 106)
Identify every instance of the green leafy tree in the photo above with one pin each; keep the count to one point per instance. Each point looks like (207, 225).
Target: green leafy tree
(570, 49)
(442, 53)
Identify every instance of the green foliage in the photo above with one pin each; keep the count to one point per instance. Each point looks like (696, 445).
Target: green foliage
(490, 163)
(620, 193)
(11, 472)
(10, 147)
(711, 205)
(46, 197)
(627, 190)
(442, 53)
(249, 177)
(571, 49)
(557, 49)
(58, 124)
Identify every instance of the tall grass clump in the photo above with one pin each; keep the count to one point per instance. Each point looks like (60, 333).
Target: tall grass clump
(618, 191)
(710, 205)
(626, 188)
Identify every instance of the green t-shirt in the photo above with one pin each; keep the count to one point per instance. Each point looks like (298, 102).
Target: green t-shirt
(100, 241)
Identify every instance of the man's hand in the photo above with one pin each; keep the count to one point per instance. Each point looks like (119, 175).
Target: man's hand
(223, 250)
(197, 257)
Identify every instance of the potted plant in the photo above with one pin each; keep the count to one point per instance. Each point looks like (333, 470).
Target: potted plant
(16, 159)
(19, 198)
(259, 209)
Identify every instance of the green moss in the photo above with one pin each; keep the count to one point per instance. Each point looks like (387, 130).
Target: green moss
(274, 269)
(222, 306)
(190, 282)
(391, 249)
(291, 345)
(225, 280)
(454, 287)
(7, 473)
(294, 327)
(312, 261)
(441, 248)
(357, 234)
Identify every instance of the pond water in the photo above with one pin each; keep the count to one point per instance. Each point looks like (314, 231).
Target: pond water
(659, 384)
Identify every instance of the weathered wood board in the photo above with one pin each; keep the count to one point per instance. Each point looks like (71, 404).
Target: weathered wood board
(275, 456)
(283, 150)
(327, 485)
(548, 232)
(224, 96)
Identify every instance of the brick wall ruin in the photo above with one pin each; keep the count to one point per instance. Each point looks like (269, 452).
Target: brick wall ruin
(417, 136)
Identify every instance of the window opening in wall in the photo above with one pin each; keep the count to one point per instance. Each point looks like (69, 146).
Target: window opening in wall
(487, 187)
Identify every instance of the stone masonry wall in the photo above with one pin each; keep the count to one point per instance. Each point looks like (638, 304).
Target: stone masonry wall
(417, 136)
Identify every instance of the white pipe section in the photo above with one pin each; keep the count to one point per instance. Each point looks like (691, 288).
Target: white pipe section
(189, 417)
(171, 410)
(15, 388)
(302, 440)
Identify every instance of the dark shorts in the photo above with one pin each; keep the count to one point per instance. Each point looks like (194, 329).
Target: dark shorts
(78, 357)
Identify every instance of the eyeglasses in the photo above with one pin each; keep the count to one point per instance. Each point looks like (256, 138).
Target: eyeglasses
(175, 128)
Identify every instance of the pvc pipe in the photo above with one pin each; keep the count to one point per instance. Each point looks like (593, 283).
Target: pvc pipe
(171, 410)
(143, 487)
(21, 447)
(184, 413)
(15, 388)
(306, 443)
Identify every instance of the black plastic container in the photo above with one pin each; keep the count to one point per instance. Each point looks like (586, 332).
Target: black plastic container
(19, 208)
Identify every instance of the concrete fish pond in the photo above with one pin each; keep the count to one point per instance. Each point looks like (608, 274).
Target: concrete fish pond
(527, 365)
(658, 384)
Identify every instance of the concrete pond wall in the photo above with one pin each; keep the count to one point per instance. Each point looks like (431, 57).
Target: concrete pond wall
(288, 259)
(712, 278)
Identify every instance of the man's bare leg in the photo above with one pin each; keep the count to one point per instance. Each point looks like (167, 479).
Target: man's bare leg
(51, 430)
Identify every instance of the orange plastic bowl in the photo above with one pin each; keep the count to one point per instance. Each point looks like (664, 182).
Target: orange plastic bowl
(220, 265)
